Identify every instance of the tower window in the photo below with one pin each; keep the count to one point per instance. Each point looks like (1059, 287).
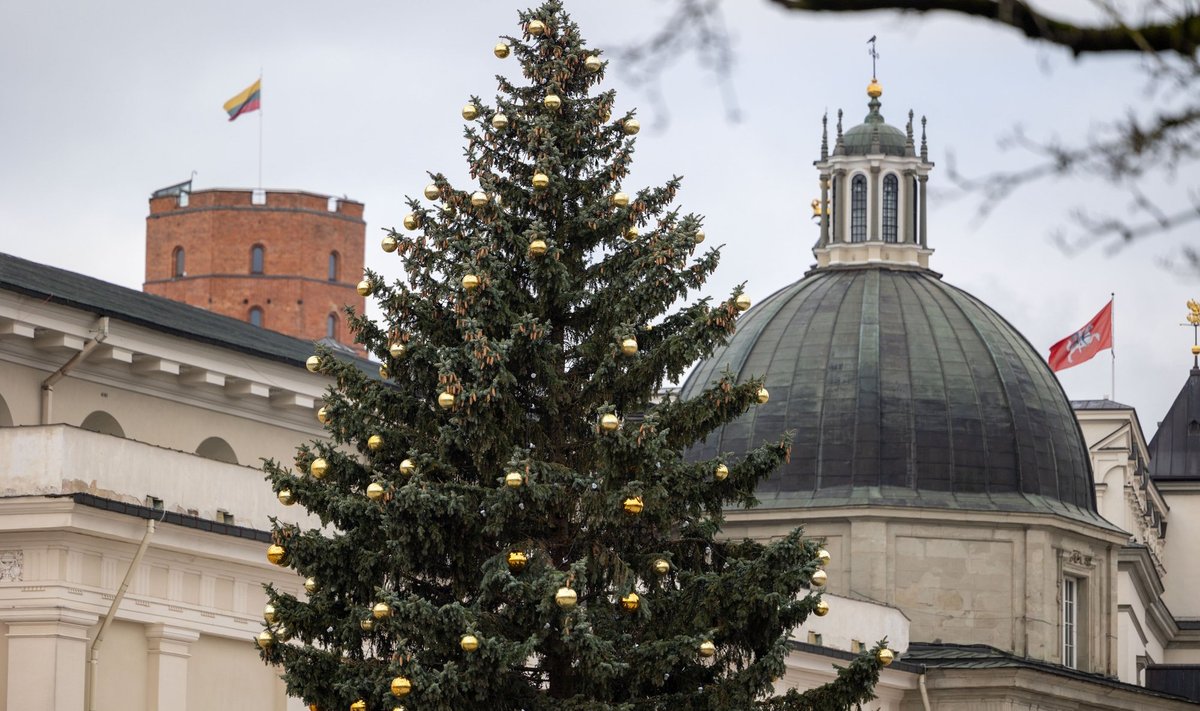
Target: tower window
(891, 197)
(1070, 617)
(256, 316)
(331, 325)
(333, 266)
(256, 259)
(858, 209)
(177, 258)
(1194, 428)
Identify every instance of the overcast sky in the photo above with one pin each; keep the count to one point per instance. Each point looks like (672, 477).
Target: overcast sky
(106, 102)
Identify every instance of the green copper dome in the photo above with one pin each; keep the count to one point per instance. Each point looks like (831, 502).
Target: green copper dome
(901, 390)
(860, 140)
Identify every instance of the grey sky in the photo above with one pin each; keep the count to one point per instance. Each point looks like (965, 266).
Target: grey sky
(105, 102)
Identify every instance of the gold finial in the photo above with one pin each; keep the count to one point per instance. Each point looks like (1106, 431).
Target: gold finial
(1194, 309)
(874, 89)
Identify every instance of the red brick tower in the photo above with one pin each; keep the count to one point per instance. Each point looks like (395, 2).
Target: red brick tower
(287, 261)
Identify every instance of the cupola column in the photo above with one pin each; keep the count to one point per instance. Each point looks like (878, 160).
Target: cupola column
(906, 219)
(825, 209)
(922, 180)
(839, 207)
(875, 230)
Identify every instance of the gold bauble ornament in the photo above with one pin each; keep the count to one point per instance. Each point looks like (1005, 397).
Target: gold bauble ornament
(609, 422)
(374, 491)
(592, 63)
(763, 396)
(630, 602)
(285, 497)
(319, 467)
(536, 28)
(537, 247)
(661, 566)
(313, 363)
(432, 191)
(446, 400)
(821, 609)
(283, 634)
(310, 585)
(396, 349)
(364, 287)
(629, 346)
(885, 656)
(707, 648)
(359, 705)
(275, 553)
(265, 639)
(552, 102)
(699, 236)
(566, 598)
(823, 557)
(407, 467)
(479, 199)
(742, 303)
(314, 707)
(469, 643)
(384, 371)
(1195, 350)
(819, 578)
(470, 282)
(323, 415)
(605, 113)
(389, 244)
(401, 686)
(517, 561)
(620, 199)
(470, 111)
(631, 126)
(374, 443)
(269, 615)
(721, 473)
(874, 89)
(541, 181)
(501, 50)
(367, 624)
(499, 122)
(633, 505)
(631, 234)
(411, 221)
(513, 480)
(381, 610)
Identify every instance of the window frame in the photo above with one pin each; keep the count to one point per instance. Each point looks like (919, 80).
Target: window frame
(258, 259)
(858, 208)
(891, 208)
(178, 262)
(255, 310)
(334, 266)
(1070, 621)
(331, 326)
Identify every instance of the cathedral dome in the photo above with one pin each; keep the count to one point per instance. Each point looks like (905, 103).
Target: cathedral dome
(904, 391)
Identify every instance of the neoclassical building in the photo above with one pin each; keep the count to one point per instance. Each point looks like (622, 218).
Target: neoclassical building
(1021, 539)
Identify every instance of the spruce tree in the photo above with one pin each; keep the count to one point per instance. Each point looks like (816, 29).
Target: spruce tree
(508, 518)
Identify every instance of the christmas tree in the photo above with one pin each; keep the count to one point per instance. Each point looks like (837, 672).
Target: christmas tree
(508, 517)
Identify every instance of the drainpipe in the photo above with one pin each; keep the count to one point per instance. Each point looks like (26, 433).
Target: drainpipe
(89, 690)
(48, 383)
(924, 693)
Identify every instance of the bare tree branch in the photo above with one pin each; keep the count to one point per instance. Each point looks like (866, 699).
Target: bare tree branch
(1180, 34)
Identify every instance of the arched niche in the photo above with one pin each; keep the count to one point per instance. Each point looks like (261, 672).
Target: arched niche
(6, 419)
(104, 423)
(218, 449)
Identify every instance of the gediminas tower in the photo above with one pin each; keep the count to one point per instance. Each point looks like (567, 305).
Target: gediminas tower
(288, 261)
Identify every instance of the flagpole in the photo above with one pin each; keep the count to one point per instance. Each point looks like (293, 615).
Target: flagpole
(1113, 350)
(260, 128)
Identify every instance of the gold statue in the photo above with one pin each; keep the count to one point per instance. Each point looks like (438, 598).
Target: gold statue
(1193, 317)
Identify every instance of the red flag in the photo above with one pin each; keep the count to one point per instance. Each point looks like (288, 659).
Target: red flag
(1085, 343)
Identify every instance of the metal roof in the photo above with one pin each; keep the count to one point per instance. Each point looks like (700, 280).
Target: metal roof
(1175, 447)
(902, 391)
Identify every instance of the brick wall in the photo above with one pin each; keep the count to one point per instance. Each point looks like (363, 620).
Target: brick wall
(217, 229)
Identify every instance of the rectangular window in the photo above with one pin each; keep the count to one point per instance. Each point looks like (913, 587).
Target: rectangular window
(1070, 618)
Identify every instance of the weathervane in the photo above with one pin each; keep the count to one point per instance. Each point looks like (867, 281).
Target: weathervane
(874, 54)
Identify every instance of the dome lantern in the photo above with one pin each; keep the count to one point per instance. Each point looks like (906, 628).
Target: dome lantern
(873, 192)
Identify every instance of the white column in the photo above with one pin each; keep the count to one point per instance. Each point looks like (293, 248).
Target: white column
(167, 651)
(47, 658)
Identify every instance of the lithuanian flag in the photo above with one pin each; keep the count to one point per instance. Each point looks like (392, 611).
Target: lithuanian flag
(245, 102)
